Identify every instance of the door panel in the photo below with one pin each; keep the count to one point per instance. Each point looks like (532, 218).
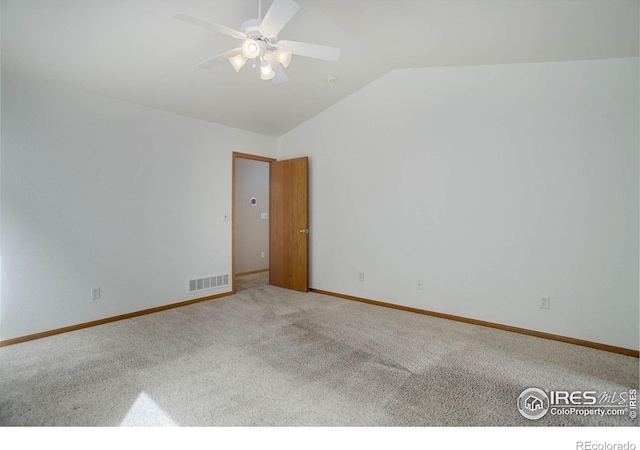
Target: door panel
(289, 224)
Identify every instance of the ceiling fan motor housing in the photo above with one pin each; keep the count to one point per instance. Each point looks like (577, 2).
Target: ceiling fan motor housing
(252, 28)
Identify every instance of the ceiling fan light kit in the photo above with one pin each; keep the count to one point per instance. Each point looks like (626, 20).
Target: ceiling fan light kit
(283, 57)
(266, 71)
(238, 61)
(252, 49)
(261, 45)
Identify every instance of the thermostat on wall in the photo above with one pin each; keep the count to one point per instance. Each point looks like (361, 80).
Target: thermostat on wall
(253, 201)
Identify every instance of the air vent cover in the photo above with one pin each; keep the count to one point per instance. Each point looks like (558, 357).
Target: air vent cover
(202, 284)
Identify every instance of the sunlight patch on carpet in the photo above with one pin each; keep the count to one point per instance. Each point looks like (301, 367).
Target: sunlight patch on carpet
(146, 413)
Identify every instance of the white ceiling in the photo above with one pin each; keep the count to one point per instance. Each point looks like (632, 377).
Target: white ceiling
(135, 50)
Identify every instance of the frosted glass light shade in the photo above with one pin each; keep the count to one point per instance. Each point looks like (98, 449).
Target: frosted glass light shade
(238, 61)
(251, 49)
(266, 71)
(283, 57)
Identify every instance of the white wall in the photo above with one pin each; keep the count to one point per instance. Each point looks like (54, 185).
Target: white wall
(0, 163)
(101, 193)
(251, 231)
(496, 185)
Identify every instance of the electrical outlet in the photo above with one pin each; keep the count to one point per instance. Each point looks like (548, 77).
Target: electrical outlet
(361, 276)
(419, 285)
(262, 255)
(95, 294)
(545, 302)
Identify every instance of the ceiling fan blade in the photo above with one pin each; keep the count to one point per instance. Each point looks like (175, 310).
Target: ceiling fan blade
(208, 63)
(281, 75)
(277, 17)
(212, 26)
(310, 50)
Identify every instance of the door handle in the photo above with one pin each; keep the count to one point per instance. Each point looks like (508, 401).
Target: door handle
(304, 231)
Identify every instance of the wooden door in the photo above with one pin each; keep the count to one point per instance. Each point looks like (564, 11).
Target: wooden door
(289, 224)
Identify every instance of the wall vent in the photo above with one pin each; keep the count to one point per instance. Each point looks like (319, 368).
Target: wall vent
(202, 284)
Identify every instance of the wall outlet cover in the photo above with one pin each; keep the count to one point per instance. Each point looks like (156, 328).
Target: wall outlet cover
(545, 302)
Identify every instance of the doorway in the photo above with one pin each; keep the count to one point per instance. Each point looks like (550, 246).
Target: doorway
(287, 217)
(250, 221)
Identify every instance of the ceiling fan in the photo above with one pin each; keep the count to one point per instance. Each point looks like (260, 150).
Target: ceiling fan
(260, 42)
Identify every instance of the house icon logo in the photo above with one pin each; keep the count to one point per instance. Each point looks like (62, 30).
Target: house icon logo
(533, 403)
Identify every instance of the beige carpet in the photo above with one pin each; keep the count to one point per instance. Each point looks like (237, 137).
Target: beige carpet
(251, 280)
(268, 356)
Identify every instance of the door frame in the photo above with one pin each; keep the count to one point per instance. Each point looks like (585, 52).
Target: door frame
(236, 155)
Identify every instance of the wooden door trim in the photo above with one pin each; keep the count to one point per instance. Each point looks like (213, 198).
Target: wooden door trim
(254, 157)
(234, 156)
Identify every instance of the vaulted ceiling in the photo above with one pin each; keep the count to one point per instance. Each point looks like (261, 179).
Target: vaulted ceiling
(135, 50)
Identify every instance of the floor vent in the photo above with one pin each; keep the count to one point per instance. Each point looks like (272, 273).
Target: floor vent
(201, 284)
